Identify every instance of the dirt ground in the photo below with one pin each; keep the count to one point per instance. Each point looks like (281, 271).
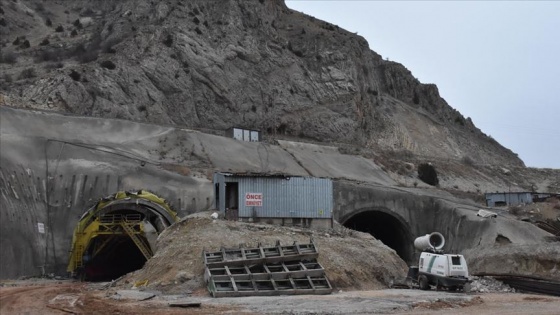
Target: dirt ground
(358, 267)
(69, 297)
(28, 297)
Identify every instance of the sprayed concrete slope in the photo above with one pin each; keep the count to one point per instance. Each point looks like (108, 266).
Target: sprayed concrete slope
(54, 167)
(406, 213)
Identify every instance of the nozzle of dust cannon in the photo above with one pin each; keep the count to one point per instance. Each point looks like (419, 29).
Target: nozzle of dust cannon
(430, 241)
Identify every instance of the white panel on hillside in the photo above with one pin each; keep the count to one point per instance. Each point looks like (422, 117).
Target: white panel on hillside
(254, 136)
(238, 134)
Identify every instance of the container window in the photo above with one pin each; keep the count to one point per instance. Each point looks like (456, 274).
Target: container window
(456, 260)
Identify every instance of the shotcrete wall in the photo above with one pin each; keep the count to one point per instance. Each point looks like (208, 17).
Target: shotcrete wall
(46, 185)
(421, 212)
(54, 167)
(29, 200)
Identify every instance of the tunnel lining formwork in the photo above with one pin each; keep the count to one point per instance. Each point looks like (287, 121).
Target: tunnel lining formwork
(117, 234)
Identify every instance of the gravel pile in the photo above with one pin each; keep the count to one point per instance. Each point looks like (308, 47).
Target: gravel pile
(489, 284)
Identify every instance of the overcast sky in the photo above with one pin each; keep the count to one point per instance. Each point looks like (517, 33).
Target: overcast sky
(497, 62)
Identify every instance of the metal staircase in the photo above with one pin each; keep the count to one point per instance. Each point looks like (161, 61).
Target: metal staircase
(277, 270)
(108, 226)
(78, 259)
(130, 230)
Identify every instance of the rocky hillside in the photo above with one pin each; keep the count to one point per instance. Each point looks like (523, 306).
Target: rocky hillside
(216, 64)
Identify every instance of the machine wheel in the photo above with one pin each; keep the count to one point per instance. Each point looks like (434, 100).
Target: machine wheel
(423, 282)
(453, 288)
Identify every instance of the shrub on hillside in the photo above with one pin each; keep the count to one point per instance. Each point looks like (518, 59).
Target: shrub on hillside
(168, 40)
(27, 73)
(8, 57)
(59, 29)
(77, 23)
(460, 120)
(85, 54)
(416, 98)
(48, 55)
(25, 44)
(75, 75)
(428, 174)
(467, 160)
(7, 78)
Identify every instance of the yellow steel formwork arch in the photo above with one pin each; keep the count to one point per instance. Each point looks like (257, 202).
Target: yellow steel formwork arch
(123, 213)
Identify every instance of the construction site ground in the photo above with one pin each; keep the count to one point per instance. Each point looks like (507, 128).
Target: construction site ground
(359, 267)
(39, 296)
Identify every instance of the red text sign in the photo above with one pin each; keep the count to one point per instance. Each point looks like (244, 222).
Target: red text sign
(253, 199)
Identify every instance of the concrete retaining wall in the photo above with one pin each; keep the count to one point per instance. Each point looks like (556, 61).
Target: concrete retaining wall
(54, 167)
(422, 212)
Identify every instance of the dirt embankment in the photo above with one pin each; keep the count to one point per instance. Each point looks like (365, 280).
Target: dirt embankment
(352, 260)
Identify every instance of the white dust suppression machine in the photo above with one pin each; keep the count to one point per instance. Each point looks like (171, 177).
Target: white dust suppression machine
(436, 268)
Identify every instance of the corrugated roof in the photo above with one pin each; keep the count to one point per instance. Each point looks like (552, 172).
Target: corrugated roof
(254, 174)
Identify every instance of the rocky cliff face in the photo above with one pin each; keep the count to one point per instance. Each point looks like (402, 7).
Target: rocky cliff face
(218, 64)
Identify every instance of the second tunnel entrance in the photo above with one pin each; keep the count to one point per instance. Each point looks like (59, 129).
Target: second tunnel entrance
(386, 227)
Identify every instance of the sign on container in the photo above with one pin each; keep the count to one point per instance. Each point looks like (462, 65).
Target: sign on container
(253, 199)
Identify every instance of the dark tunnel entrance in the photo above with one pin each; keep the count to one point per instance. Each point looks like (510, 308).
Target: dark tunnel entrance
(386, 228)
(118, 235)
(119, 257)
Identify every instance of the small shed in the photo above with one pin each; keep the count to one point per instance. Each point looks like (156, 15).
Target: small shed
(278, 199)
(508, 198)
(244, 134)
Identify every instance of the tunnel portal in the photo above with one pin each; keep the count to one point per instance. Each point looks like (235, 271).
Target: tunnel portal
(386, 227)
(117, 234)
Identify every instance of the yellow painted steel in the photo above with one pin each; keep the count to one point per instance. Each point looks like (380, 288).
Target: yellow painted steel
(92, 225)
(129, 228)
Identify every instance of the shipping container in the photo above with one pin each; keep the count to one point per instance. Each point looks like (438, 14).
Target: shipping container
(274, 196)
(508, 198)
